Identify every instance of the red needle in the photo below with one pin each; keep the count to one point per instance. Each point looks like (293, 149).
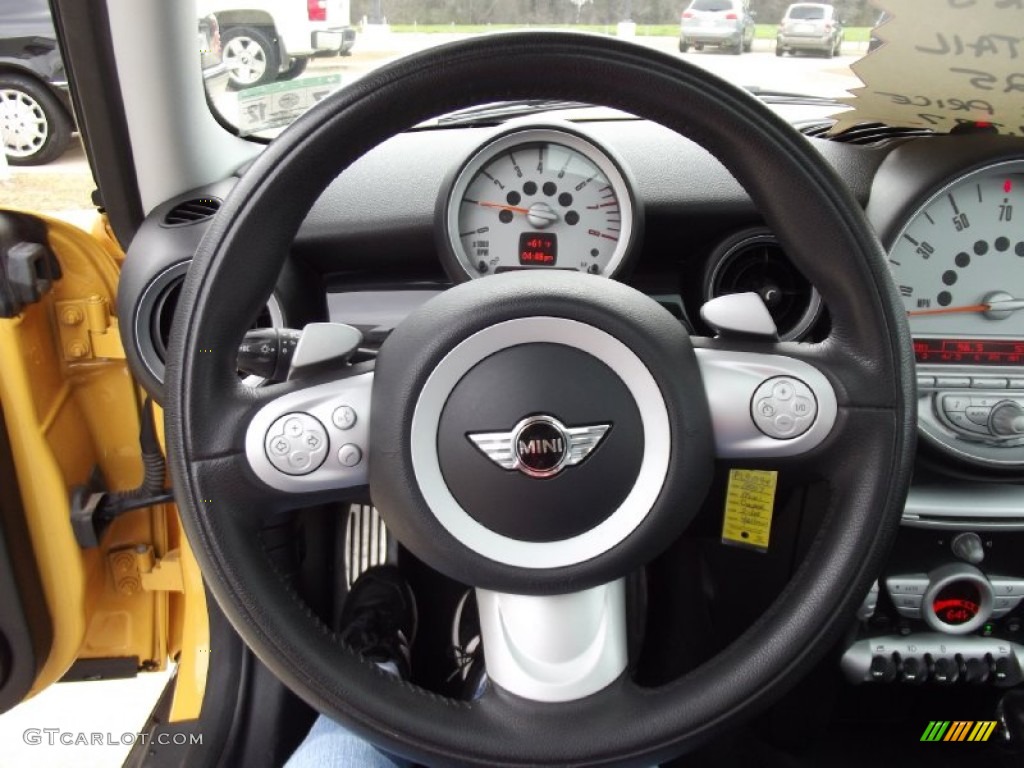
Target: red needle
(504, 207)
(950, 310)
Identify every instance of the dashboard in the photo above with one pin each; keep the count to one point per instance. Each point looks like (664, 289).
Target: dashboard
(625, 199)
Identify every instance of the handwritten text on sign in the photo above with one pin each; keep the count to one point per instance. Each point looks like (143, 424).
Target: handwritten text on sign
(943, 63)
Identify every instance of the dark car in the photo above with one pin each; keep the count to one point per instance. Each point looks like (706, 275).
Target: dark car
(36, 120)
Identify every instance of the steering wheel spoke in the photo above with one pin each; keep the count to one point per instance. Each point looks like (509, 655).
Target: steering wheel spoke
(555, 648)
(765, 404)
(312, 441)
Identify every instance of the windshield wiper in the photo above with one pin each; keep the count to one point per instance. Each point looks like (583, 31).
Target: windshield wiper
(498, 112)
(769, 96)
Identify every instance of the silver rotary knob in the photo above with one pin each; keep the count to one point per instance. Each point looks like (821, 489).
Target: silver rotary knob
(1006, 419)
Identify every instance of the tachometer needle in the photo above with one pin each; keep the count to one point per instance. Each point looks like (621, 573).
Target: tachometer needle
(504, 207)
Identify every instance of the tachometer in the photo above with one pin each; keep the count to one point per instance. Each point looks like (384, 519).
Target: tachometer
(539, 198)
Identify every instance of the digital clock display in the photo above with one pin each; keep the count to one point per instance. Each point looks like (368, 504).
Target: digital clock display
(538, 249)
(969, 351)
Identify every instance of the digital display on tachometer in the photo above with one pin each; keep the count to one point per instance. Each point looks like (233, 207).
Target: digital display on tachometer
(537, 249)
(537, 198)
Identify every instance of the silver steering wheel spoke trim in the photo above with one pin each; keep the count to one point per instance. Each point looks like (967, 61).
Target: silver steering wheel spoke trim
(328, 423)
(555, 648)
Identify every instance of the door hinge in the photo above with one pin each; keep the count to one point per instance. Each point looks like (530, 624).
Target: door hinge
(137, 569)
(88, 330)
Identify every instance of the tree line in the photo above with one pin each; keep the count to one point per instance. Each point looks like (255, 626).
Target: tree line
(853, 12)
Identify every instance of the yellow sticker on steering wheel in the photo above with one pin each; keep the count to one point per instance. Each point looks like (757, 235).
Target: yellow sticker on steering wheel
(749, 503)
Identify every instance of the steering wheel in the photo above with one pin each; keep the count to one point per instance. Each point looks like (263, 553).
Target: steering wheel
(473, 427)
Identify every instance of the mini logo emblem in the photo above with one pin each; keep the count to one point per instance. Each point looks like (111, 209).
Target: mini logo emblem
(540, 446)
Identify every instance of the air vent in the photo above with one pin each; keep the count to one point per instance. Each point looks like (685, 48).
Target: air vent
(865, 134)
(191, 211)
(155, 318)
(166, 304)
(754, 261)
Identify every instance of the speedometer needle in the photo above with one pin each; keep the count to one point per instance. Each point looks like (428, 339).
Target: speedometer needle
(949, 310)
(1008, 304)
(504, 207)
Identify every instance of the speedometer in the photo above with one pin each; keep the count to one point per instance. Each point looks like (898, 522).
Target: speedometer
(539, 198)
(959, 265)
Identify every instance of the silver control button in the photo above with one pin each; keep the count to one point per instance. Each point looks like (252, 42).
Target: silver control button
(978, 415)
(907, 601)
(783, 390)
(296, 444)
(907, 585)
(909, 613)
(952, 403)
(988, 383)
(344, 417)
(925, 382)
(1007, 587)
(985, 402)
(349, 455)
(783, 407)
(1016, 383)
(952, 382)
(802, 407)
(1005, 604)
(959, 419)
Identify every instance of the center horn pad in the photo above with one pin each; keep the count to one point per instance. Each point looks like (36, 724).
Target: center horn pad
(538, 433)
(540, 442)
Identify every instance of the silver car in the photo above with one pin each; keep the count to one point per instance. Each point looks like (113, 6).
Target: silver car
(728, 24)
(810, 27)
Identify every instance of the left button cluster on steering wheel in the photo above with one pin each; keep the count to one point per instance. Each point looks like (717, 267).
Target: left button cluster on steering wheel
(297, 444)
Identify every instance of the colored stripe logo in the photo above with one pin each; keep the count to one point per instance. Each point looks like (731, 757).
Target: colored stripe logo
(959, 730)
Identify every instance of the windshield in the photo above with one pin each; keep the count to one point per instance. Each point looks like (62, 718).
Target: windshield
(289, 56)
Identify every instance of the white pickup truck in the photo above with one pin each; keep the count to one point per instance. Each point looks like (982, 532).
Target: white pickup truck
(268, 40)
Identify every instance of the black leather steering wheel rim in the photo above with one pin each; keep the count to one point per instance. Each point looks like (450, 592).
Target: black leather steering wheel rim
(866, 356)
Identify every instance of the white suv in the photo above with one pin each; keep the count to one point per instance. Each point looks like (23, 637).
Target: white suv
(810, 27)
(728, 24)
(267, 40)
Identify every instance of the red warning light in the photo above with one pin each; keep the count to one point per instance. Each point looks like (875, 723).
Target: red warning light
(1007, 186)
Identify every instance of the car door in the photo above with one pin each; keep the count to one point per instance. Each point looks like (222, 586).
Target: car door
(91, 561)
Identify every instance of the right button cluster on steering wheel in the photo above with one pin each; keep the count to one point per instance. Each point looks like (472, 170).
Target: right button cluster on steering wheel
(783, 407)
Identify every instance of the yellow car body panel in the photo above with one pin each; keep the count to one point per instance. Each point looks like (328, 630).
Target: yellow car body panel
(72, 407)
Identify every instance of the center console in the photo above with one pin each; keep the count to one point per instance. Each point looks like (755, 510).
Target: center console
(948, 608)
